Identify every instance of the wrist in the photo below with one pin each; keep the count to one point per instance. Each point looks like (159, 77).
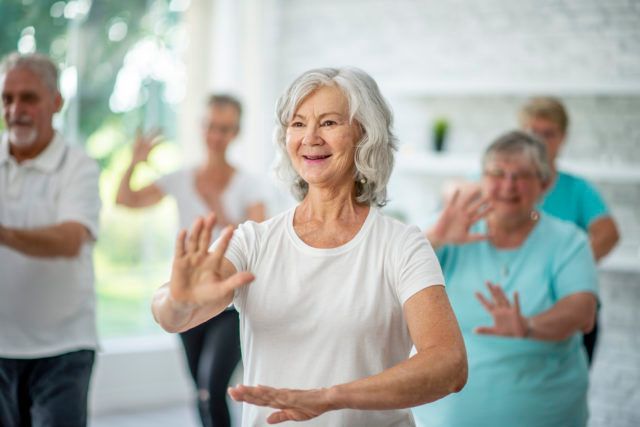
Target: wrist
(335, 397)
(434, 239)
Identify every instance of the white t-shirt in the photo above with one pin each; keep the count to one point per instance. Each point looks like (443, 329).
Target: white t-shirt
(320, 317)
(242, 191)
(47, 305)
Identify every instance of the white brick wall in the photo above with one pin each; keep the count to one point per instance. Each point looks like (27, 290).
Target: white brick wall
(475, 62)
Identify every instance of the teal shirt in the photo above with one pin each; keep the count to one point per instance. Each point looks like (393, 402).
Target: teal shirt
(515, 381)
(574, 199)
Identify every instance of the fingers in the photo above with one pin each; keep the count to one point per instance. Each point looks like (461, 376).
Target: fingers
(479, 211)
(238, 280)
(278, 417)
(194, 235)
(486, 330)
(180, 248)
(516, 301)
(221, 248)
(476, 237)
(205, 236)
(259, 395)
(454, 198)
(498, 295)
(488, 305)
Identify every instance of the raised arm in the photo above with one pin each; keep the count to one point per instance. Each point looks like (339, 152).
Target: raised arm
(148, 195)
(461, 211)
(202, 283)
(59, 240)
(437, 369)
(603, 235)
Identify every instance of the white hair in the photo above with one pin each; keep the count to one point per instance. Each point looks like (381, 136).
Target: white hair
(520, 142)
(374, 151)
(41, 65)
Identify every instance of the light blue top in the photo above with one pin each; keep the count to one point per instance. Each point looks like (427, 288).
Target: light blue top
(515, 381)
(574, 199)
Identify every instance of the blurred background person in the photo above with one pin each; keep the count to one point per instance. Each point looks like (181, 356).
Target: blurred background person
(339, 291)
(212, 348)
(568, 196)
(527, 365)
(49, 207)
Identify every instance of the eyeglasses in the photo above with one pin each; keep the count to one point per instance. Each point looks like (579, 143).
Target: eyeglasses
(520, 176)
(213, 127)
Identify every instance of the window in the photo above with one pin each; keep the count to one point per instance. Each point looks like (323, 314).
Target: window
(120, 70)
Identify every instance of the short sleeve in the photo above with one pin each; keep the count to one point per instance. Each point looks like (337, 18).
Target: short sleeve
(418, 267)
(593, 205)
(169, 183)
(575, 269)
(80, 198)
(240, 253)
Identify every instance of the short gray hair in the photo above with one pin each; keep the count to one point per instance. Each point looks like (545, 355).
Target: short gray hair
(374, 152)
(519, 142)
(41, 65)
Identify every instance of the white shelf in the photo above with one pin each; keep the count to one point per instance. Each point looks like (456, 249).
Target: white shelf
(448, 165)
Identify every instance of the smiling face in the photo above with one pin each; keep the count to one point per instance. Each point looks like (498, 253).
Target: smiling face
(28, 107)
(321, 141)
(513, 186)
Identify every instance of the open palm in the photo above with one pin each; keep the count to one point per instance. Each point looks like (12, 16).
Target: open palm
(145, 142)
(461, 211)
(291, 405)
(198, 276)
(507, 319)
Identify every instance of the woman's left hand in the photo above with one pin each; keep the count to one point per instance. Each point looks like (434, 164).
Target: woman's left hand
(292, 405)
(508, 321)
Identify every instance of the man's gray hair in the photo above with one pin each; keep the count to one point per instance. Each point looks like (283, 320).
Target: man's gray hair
(374, 152)
(519, 142)
(41, 65)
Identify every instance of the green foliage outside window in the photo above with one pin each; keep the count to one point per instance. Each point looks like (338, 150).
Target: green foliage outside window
(114, 81)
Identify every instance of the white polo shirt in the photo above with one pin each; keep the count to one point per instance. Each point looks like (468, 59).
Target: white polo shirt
(47, 305)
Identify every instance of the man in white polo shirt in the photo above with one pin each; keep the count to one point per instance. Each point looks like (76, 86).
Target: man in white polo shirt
(49, 206)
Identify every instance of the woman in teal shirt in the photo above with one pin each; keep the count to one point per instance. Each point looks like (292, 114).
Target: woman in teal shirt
(523, 286)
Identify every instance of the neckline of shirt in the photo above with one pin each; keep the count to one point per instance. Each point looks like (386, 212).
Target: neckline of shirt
(301, 245)
(47, 161)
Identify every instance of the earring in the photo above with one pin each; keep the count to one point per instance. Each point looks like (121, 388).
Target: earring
(534, 215)
(363, 180)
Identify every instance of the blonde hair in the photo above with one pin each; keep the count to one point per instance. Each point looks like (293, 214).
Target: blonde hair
(545, 107)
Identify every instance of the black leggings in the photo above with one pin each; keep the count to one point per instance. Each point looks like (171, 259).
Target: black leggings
(589, 341)
(213, 351)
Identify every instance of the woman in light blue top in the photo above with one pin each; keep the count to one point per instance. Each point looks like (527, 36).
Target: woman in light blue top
(523, 286)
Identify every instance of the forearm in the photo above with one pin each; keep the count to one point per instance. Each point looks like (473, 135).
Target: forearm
(60, 240)
(602, 245)
(174, 316)
(564, 319)
(427, 376)
(434, 238)
(125, 194)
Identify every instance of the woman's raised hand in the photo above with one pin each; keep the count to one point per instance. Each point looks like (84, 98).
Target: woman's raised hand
(145, 142)
(461, 211)
(198, 277)
(507, 319)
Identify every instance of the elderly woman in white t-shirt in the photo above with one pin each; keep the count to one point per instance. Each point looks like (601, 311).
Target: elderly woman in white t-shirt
(332, 294)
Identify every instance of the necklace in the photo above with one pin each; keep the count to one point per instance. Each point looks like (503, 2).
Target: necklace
(505, 259)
